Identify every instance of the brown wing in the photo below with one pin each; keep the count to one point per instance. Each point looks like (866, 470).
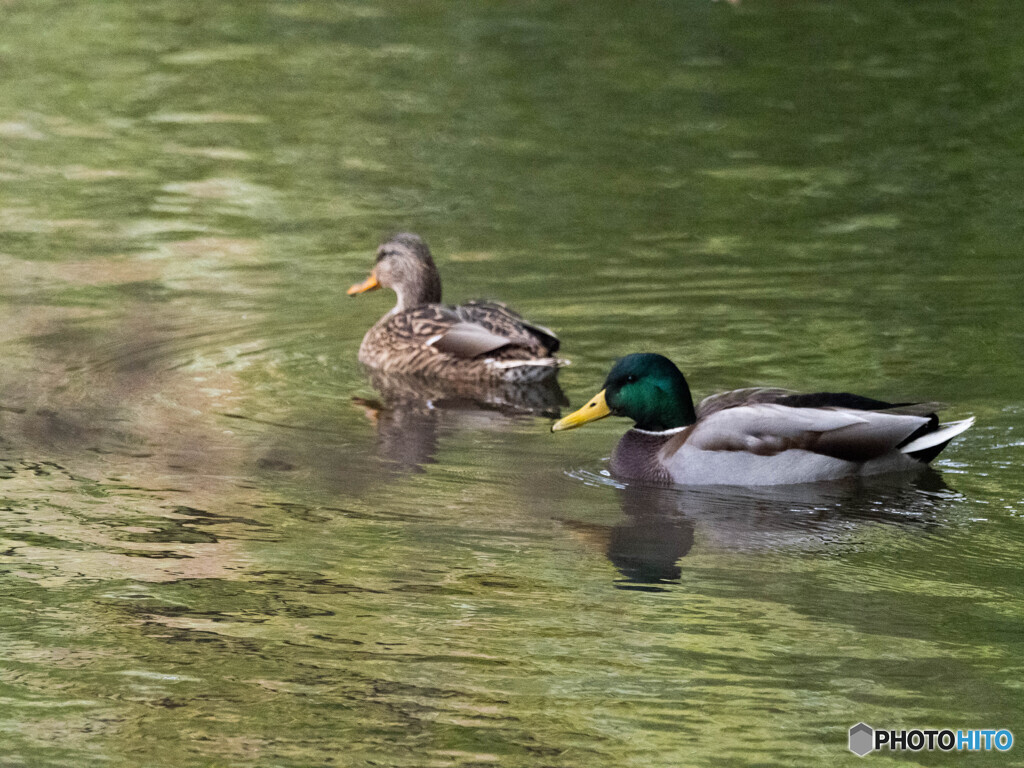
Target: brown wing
(413, 331)
(467, 340)
(503, 321)
(450, 330)
(456, 343)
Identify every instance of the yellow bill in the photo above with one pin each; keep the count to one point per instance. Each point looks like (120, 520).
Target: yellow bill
(369, 284)
(596, 409)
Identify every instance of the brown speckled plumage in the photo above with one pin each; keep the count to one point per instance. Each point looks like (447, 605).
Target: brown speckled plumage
(478, 341)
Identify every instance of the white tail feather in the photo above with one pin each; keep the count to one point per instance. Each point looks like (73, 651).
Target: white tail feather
(943, 434)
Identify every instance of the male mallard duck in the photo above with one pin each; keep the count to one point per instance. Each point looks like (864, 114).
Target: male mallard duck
(478, 342)
(756, 436)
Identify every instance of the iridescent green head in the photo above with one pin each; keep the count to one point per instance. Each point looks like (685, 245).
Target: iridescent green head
(645, 387)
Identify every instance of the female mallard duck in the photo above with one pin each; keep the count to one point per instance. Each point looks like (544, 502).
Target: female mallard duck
(476, 342)
(756, 436)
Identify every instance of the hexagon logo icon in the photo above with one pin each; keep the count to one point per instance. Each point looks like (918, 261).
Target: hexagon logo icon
(862, 738)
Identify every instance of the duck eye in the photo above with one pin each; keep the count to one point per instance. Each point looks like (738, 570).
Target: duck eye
(631, 378)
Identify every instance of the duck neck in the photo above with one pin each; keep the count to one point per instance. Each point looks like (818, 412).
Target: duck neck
(681, 415)
(423, 287)
(668, 405)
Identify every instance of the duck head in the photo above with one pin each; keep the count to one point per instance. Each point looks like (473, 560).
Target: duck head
(404, 265)
(646, 388)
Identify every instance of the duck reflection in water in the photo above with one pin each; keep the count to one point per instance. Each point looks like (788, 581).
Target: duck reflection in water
(663, 524)
(412, 412)
(409, 422)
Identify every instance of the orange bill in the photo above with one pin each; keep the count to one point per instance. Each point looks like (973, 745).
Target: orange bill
(369, 284)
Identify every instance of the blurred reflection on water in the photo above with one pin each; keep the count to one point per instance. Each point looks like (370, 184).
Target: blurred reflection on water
(662, 524)
(411, 412)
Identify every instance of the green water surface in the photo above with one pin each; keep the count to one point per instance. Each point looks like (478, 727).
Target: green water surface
(213, 556)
